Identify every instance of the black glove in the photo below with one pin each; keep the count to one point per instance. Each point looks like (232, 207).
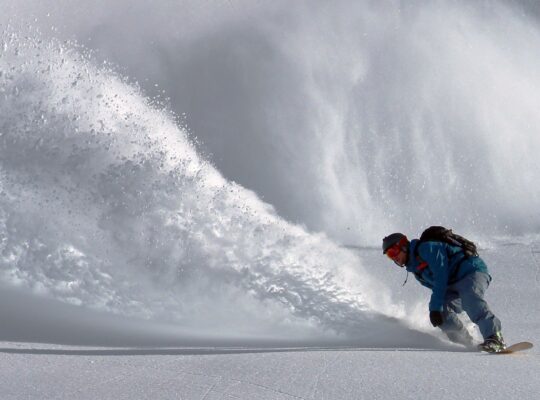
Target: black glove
(436, 318)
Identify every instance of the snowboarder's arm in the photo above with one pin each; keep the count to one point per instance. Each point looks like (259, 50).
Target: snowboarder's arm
(435, 255)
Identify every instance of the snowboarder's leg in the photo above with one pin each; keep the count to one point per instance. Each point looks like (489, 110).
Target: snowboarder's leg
(452, 326)
(471, 290)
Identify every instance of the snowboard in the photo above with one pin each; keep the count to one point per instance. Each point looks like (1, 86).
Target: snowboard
(521, 346)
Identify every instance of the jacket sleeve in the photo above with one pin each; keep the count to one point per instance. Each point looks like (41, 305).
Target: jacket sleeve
(435, 255)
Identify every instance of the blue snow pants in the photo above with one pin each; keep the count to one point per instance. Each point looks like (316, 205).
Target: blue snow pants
(467, 295)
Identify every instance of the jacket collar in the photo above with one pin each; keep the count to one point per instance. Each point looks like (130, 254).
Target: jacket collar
(412, 262)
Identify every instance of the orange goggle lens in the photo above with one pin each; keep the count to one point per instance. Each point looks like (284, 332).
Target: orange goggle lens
(393, 251)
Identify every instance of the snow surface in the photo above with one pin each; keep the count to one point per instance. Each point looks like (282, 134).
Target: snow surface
(59, 372)
(316, 371)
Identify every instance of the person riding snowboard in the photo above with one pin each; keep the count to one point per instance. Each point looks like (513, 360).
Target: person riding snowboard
(458, 279)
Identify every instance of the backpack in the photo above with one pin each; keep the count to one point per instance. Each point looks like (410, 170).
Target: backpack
(442, 234)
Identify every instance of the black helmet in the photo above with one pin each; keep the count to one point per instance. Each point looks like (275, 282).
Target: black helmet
(392, 240)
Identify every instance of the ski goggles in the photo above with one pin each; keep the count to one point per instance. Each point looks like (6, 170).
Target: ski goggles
(393, 251)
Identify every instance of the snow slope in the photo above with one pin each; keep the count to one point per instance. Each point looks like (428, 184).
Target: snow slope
(39, 371)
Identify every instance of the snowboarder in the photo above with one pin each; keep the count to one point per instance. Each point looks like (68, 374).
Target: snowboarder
(458, 282)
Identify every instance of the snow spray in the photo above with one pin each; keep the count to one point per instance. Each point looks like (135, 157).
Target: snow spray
(351, 119)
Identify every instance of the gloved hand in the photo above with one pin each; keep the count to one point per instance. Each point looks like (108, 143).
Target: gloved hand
(436, 318)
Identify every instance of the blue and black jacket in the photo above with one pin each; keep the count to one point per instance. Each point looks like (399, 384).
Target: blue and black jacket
(436, 265)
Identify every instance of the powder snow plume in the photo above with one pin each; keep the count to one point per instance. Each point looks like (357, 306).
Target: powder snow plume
(353, 118)
(105, 203)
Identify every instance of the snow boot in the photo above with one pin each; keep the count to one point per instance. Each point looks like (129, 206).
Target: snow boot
(493, 344)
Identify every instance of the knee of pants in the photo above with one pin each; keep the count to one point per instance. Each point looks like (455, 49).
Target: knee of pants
(476, 308)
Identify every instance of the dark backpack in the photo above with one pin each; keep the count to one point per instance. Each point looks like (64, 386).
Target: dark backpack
(442, 234)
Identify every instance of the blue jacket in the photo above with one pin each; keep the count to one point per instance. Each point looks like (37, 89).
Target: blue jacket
(446, 265)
